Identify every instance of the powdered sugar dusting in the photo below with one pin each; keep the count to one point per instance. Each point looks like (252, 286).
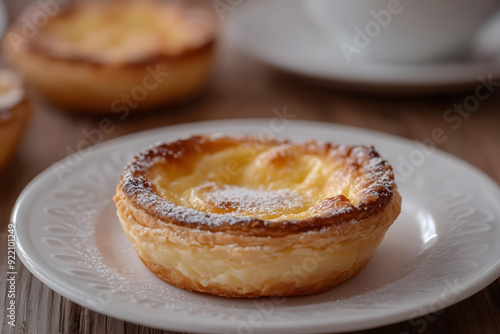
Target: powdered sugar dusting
(244, 201)
(167, 209)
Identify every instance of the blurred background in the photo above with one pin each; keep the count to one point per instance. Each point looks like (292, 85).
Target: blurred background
(255, 73)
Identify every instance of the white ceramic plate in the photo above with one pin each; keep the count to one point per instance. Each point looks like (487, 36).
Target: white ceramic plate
(281, 34)
(443, 248)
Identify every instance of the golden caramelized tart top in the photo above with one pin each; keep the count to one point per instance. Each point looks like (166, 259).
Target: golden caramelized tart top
(256, 186)
(116, 32)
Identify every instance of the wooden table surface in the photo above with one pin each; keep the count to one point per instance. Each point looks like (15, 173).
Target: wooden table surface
(243, 88)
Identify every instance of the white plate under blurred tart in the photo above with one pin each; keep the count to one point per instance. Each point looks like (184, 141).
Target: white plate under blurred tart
(247, 217)
(115, 56)
(15, 111)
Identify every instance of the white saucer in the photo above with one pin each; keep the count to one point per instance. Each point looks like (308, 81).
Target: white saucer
(279, 33)
(443, 247)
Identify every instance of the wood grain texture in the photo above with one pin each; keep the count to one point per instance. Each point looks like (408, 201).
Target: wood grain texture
(243, 88)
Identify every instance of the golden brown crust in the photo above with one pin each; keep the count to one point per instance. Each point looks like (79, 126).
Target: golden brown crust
(227, 265)
(336, 210)
(93, 82)
(235, 256)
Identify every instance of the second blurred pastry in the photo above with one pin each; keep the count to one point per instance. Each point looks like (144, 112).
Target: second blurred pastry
(107, 57)
(15, 112)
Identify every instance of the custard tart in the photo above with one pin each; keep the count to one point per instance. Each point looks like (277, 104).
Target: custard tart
(250, 217)
(15, 112)
(115, 56)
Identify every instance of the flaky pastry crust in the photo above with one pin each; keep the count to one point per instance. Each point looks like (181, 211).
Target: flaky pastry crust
(286, 219)
(115, 56)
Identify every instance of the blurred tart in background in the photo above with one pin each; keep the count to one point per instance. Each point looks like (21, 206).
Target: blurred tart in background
(15, 111)
(115, 57)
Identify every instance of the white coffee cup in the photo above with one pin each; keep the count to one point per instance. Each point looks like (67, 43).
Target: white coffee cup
(401, 31)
